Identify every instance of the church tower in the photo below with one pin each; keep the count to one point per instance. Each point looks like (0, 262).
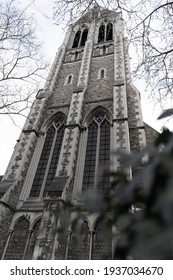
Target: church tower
(87, 108)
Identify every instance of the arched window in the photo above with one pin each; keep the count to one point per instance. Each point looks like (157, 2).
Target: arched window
(84, 37)
(18, 242)
(105, 32)
(80, 38)
(49, 158)
(109, 32)
(78, 247)
(101, 33)
(76, 39)
(102, 73)
(103, 237)
(32, 241)
(97, 156)
(69, 79)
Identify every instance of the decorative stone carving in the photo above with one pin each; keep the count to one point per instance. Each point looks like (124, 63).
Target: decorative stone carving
(85, 64)
(53, 71)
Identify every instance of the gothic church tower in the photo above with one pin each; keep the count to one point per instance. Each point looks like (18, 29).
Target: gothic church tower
(87, 108)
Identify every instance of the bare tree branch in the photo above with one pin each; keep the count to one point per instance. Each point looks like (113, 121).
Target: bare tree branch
(22, 69)
(149, 28)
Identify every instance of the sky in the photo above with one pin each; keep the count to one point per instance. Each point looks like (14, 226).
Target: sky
(52, 37)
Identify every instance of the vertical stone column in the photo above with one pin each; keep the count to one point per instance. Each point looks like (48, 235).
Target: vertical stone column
(45, 240)
(136, 124)
(91, 236)
(120, 114)
(27, 243)
(67, 161)
(69, 232)
(7, 243)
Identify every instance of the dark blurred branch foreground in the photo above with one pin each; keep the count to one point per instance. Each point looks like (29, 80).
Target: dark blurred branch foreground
(140, 210)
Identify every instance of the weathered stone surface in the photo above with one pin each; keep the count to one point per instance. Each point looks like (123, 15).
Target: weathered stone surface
(55, 236)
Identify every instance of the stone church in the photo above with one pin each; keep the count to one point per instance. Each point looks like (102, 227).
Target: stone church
(88, 108)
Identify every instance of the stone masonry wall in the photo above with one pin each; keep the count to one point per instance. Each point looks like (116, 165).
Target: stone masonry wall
(63, 93)
(151, 134)
(100, 88)
(6, 216)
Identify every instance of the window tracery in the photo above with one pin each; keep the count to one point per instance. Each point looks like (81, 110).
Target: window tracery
(48, 162)
(78, 247)
(18, 241)
(80, 38)
(97, 154)
(105, 32)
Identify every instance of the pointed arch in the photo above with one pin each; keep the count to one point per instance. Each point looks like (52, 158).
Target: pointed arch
(78, 248)
(80, 37)
(60, 116)
(101, 36)
(76, 39)
(84, 37)
(105, 32)
(96, 111)
(97, 155)
(33, 239)
(18, 242)
(109, 31)
(102, 241)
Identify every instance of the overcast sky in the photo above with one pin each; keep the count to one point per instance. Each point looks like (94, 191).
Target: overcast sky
(52, 37)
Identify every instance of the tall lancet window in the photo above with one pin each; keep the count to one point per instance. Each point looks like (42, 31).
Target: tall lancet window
(105, 32)
(101, 37)
(49, 158)
(109, 32)
(80, 38)
(97, 158)
(76, 39)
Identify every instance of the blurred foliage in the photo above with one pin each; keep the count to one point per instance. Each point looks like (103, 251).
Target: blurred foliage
(142, 208)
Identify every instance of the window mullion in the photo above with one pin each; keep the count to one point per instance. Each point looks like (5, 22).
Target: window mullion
(80, 39)
(97, 158)
(48, 165)
(105, 33)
